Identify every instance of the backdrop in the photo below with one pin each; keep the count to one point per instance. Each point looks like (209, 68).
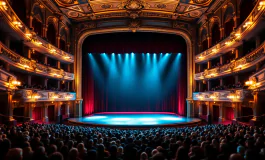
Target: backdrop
(140, 72)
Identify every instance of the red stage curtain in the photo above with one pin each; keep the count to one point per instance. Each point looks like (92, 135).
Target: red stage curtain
(37, 113)
(229, 113)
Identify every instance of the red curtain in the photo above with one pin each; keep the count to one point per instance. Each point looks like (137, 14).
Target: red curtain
(37, 113)
(51, 113)
(229, 113)
(97, 99)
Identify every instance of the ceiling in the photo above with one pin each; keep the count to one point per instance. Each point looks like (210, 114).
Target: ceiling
(80, 10)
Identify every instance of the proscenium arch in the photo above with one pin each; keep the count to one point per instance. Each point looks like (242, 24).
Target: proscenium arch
(190, 58)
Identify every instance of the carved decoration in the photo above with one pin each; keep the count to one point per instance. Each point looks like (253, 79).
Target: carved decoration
(134, 25)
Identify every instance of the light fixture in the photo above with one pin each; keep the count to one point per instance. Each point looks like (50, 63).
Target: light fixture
(17, 23)
(16, 83)
(233, 96)
(261, 5)
(247, 24)
(26, 66)
(214, 50)
(38, 43)
(67, 57)
(52, 50)
(240, 66)
(213, 97)
(29, 35)
(3, 4)
(249, 83)
(36, 96)
(228, 43)
(55, 96)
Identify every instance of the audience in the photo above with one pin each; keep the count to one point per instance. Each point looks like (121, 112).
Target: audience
(64, 142)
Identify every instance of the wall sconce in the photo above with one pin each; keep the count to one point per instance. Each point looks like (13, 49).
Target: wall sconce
(228, 43)
(67, 57)
(214, 50)
(240, 66)
(52, 50)
(38, 43)
(237, 35)
(247, 24)
(233, 96)
(29, 35)
(3, 4)
(55, 96)
(17, 24)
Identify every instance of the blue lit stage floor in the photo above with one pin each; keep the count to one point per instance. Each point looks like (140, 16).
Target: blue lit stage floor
(134, 119)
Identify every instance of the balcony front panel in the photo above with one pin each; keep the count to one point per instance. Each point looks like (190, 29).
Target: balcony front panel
(236, 95)
(30, 38)
(25, 64)
(6, 80)
(248, 28)
(241, 64)
(27, 95)
(258, 80)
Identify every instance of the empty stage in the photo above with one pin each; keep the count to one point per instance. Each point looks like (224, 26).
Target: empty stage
(135, 119)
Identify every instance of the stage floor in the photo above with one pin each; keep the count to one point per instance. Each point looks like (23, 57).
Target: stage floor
(134, 119)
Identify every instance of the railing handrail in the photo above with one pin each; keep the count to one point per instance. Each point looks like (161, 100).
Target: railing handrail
(7, 73)
(30, 62)
(229, 37)
(10, 9)
(240, 59)
(45, 90)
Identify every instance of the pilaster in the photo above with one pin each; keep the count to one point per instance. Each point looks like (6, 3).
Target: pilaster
(78, 108)
(190, 108)
(45, 117)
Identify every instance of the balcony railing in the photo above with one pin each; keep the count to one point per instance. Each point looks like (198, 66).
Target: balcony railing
(30, 38)
(241, 64)
(7, 80)
(23, 63)
(236, 36)
(236, 95)
(28, 95)
(257, 80)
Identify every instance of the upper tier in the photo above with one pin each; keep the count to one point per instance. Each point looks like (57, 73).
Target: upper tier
(19, 30)
(251, 26)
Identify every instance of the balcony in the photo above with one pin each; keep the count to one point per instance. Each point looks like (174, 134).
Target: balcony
(236, 95)
(22, 32)
(29, 95)
(25, 64)
(239, 65)
(257, 81)
(248, 28)
(7, 80)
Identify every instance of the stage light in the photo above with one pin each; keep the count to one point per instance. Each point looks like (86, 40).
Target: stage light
(113, 53)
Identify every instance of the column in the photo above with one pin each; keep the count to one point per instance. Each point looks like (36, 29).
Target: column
(200, 109)
(209, 85)
(68, 86)
(221, 81)
(258, 66)
(44, 31)
(78, 108)
(199, 47)
(259, 102)
(68, 47)
(59, 84)
(235, 106)
(31, 106)
(29, 80)
(238, 54)
(236, 79)
(58, 41)
(58, 107)
(29, 53)
(45, 59)
(190, 109)
(221, 112)
(68, 67)
(236, 21)
(45, 82)
(209, 112)
(45, 117)
(200, 86)
(209, 39)
(11, 119)
(221, 60)
(222, 32)
(58, 64)
(209, 64)
(68, 109)
(30, 21)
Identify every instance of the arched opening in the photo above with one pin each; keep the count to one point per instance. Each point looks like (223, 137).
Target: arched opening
(37, 26)
(216, 113)
(102, 89)
(204, 40)
(37, 113)
(229, 27)
(20, 9)
(246, 7)
(215, 33)
(51, 34)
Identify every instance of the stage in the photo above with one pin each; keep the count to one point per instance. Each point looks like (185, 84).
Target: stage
(134, 119)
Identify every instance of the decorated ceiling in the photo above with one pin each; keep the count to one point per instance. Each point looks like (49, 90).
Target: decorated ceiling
(80, 10)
